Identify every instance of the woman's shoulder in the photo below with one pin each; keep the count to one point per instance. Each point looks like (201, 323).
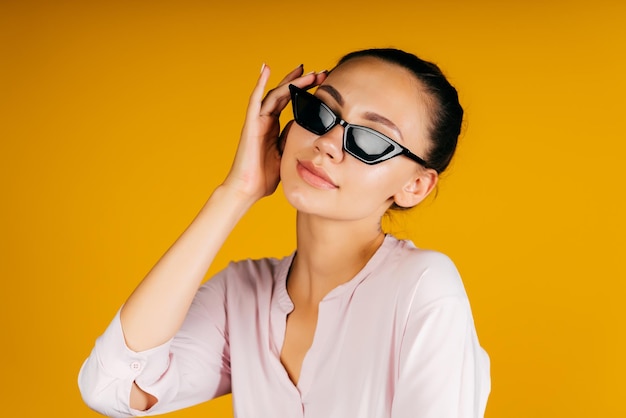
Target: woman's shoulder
(257, 265)
(251, 272)
(406, 254)
(426, 274)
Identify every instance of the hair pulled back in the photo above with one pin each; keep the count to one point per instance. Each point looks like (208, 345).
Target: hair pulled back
(446, 113)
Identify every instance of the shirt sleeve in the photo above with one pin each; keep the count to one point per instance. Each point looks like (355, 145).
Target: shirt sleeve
(443, 373)
(192, 367)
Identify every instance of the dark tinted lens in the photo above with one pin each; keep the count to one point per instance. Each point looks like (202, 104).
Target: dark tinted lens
(366, 145)
(311, 115)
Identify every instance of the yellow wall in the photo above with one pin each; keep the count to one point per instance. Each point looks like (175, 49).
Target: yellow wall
(117, 118)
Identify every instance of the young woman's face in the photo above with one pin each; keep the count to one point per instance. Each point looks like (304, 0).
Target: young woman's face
(320, 178)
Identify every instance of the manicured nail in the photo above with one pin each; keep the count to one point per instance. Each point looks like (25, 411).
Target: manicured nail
(262, 68)
(322, 72)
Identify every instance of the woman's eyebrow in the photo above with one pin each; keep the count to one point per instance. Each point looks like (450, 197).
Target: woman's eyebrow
(375, 117)
(371, 116)
(333, 92)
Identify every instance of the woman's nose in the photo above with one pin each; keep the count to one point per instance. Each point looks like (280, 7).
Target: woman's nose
(330, 144)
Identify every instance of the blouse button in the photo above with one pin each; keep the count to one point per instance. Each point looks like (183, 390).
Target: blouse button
(135, 365)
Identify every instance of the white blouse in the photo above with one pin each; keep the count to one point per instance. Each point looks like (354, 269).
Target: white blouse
(397, 340)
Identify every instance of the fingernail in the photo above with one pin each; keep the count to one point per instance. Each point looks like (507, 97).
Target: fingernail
(323, 71)
(262, 68)
(312, 72)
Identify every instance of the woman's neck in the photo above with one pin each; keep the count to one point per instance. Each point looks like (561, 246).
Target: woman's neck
(329, 254)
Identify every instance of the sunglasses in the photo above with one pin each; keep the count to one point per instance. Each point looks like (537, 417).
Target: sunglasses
(363, 143)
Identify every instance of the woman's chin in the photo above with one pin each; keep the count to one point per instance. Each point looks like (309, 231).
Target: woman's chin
(299, 200)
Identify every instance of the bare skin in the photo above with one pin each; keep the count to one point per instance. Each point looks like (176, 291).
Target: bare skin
(338, 229)
(156, 309)
(311, 279)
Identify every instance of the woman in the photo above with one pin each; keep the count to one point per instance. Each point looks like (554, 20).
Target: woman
(355, 323)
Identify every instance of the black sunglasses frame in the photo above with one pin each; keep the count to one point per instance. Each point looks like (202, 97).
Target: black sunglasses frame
(398, 149)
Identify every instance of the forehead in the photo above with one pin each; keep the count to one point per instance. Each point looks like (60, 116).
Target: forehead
(363, 69)
(369, 84)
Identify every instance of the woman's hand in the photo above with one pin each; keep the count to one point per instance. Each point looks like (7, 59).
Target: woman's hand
(255, 172)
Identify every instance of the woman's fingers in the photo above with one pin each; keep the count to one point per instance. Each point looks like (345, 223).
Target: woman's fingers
(256, 98)
(283, 137)
(255, 170)
(278, 98)
(295, 73)
(320, 77)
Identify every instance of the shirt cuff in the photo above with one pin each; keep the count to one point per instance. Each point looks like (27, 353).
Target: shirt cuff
(143, 367)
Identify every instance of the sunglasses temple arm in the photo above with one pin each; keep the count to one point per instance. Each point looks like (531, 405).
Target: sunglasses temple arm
(414, 157)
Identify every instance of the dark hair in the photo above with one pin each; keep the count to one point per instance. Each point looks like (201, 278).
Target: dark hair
(446, 113)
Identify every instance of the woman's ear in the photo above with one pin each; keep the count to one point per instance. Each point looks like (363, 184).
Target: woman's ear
(417, 189)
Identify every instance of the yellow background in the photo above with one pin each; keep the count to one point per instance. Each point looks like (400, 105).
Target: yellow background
(117, 119)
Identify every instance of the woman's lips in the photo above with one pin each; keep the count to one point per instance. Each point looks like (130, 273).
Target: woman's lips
(315, 176)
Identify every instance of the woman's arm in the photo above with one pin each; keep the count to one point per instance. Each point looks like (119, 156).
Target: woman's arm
(154, 312)
(443, 372)
(156, 309)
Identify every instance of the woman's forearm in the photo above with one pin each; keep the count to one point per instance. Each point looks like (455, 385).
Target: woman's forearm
(156, 309)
